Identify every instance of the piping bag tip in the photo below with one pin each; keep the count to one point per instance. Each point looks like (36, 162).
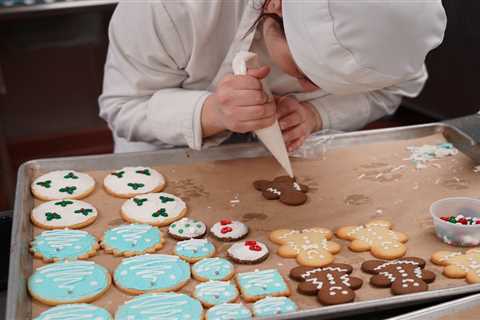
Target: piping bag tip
(271, 136)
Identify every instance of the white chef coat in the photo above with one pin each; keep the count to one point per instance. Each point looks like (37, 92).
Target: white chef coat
(166, 57)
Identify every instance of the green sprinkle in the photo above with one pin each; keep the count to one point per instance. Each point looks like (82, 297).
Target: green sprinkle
(84, 211)
(162, 212)
(145, 172)
(139, 201)
(166, 199)
(136, 186)
(118, 174)
(46, 184)
(63, 203)
(71, 175)
(69, 190)
(52, 215)
(187, 225)
(199, 226)
(180, 230)
(173, 225)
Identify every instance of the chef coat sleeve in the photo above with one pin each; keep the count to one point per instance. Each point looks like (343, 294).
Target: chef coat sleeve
(355, 111)
(142, 98)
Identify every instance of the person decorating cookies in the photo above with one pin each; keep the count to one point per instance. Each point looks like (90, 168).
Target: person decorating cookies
(329, 64)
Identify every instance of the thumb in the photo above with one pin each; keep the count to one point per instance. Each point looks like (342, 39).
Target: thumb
(259, 73)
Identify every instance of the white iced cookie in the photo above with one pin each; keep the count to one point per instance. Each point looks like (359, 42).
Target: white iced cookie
(65, 213)
(248, 252)
(131, 181)
(157, 209)
(62, 184)
(187, 228)
(229, 230)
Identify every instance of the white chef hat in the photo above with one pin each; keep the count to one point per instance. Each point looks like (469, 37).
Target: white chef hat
(349, 46)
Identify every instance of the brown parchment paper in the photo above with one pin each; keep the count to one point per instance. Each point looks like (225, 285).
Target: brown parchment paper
(348, 186)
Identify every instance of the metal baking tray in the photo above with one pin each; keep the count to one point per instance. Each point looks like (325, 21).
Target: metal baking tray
(19, 302)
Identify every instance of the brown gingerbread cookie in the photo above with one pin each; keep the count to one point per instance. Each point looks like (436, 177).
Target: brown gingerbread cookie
(283, 188)
(405, 275)
(332, 284)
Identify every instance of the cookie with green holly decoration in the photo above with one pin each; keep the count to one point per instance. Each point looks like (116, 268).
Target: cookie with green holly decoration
(132, 181)
(64, 213)
(156, 209)
(62, 184)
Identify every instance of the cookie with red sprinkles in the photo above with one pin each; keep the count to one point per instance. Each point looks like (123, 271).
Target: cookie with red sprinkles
(229, 230)
(248, 252)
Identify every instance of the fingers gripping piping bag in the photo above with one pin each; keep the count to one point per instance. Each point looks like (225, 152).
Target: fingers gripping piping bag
(270, 136)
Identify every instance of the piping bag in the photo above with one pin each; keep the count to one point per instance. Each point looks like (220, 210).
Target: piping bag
(270, 136)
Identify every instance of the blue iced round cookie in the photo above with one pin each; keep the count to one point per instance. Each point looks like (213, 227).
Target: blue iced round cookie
(75, 311)
(229, 311)
(54, 245)
(132, 239)
(69, 282)
(194, 249)
(212, 293)
(151, 273)
(272, 306)
(160, 306)
(212, 269)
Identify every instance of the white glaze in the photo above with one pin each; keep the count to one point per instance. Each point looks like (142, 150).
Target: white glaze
(238, 230)
(188, 232)
(143, 213)
(68, 216)
(120, 185)
(84, 184)
(242, 252)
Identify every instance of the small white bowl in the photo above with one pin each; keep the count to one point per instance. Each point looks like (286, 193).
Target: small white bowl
(456, 234)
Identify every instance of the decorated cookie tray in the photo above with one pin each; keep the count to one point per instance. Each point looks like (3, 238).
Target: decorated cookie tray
(360, 177)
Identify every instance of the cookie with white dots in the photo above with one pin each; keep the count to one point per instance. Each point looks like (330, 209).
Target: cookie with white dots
(229, 230)
(213, 269)
(187, 228)
(213, 293)
(131, 181)
(248, 252)
(65, 213)
(194, 250)
(132, 239)
(62, 184)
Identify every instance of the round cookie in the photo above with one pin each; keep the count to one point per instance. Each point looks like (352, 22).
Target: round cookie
(228, 311)
(212, 293)
(69, 282)
(151, 273)
(160, 306)
(187, 228)
(132, 239)
(62, 184)
(194, 249)
(248, 252)
(61, 214)
(75, 311)
(213, 269)
(54, 245)
(273, 306)
(228, 230)
(156, 209)
(131, 181)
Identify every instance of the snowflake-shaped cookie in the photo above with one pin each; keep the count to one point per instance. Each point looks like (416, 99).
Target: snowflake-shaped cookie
(311, 247)
(460, 265)
(377, 237)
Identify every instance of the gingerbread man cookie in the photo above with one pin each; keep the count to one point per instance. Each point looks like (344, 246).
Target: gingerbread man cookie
(283, 188)
(405, 275)
(311, 247)
(460, 265)
(377, 237)
(332, 284)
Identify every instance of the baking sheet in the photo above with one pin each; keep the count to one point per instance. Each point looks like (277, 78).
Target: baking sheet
(349, 186)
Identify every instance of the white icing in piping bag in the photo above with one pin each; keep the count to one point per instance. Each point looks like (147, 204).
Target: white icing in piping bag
(271, 136)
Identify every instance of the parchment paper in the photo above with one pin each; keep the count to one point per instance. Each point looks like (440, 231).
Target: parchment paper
(348, 186)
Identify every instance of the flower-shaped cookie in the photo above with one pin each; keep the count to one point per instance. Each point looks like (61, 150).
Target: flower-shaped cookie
(377, 237)
(460, 265)
(311, 247)
(283, 188)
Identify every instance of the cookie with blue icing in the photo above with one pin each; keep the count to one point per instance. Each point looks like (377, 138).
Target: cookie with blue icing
(194, 250)
(69, 282)
(132, 239)
(55, 245)
(75, 311)
(259, 284)
(65, 213)
(273, 306)
(228, 311)
(151, 273)
(212, 293)
(213, 269)
(160, 306)
(62, 184)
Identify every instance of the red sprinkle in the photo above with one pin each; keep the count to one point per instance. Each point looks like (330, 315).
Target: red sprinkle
(225, 221)
(226, 229)
(250, 242)
(463, 221)
(444, 218)
(255, 247)
(477, 222)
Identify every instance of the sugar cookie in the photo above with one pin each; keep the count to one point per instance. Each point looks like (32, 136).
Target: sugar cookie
(151, 273)
(229, 230)
(311, 247)
(132, 239)
(213, 269)
(157, 209)
(131, 181)
(248, 252)
(75, 311)
(55, 245)
(273, 306)
(331, 284)
(187, 228)
(228, 311)
(167, 305)
(377, 237)
(256, 285)
(61, 214)
(62, 184)
(403, 276)
(68, 282)
(194, 249)
(212, 293)
(459, 265)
